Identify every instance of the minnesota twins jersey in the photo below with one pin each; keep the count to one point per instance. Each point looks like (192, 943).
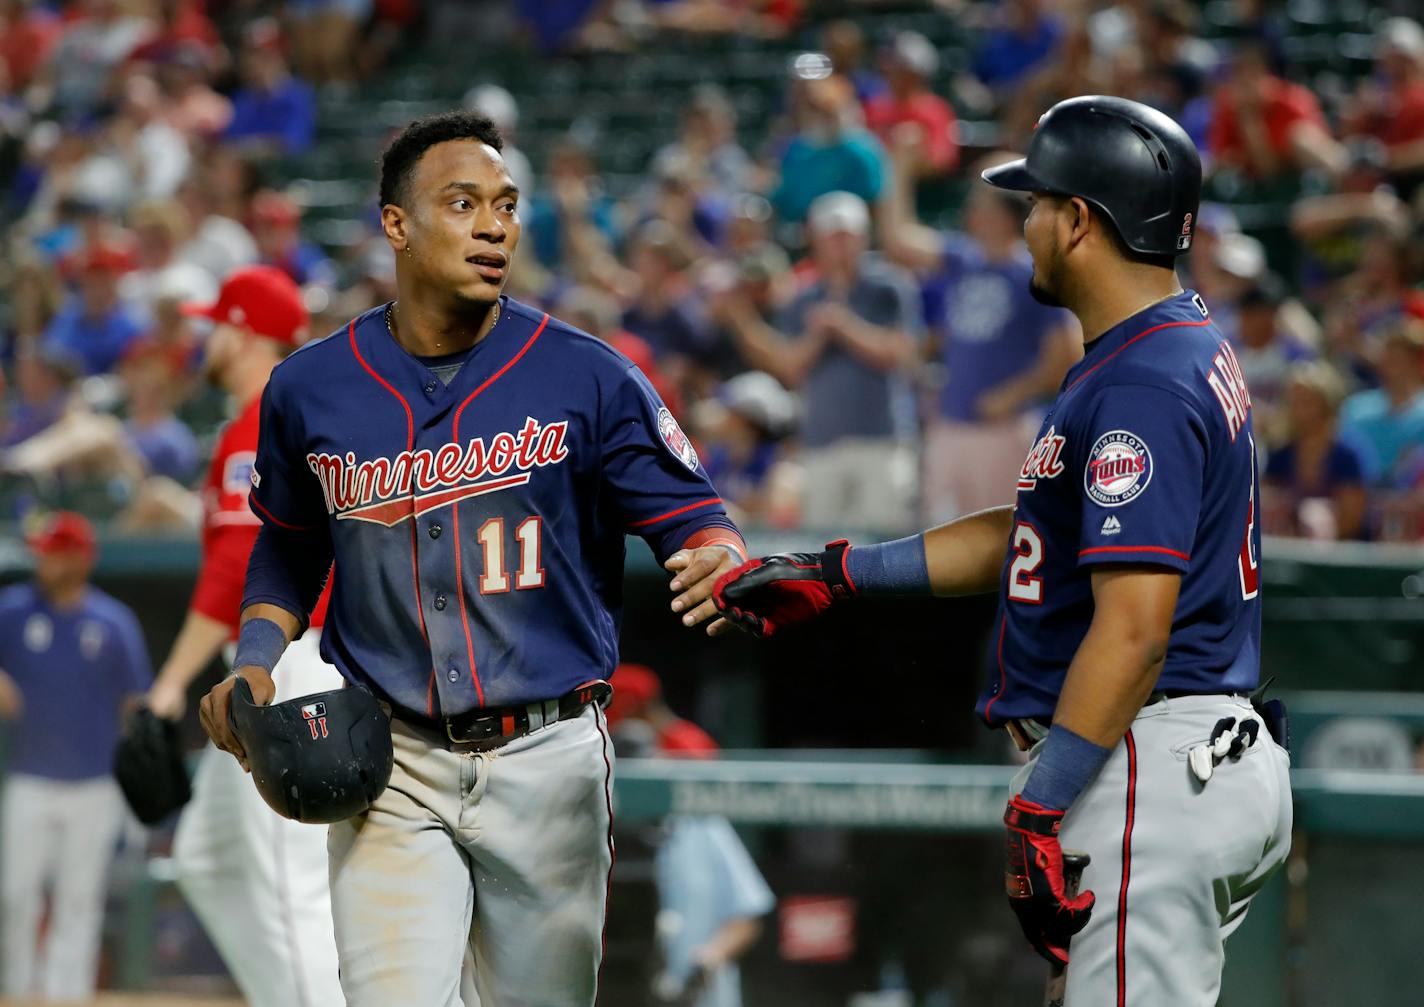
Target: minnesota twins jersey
(1147, 456)
(477, 527)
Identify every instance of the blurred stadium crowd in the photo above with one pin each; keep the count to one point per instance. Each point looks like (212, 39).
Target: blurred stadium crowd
(797, 254)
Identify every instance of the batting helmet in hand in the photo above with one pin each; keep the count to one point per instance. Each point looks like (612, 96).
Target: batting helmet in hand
(320, 758)
(1126, 159)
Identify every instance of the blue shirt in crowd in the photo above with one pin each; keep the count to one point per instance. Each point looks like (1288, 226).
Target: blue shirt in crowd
(286, 115)
(1006, 55)
(853, 162)
(168, 448)
(74, 669)
(98, 342)
(705, 880)
(993, 329)
(1389, 434)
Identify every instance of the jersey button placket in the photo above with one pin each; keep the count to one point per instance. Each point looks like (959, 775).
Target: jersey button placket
(430, 388)
(453, 675)
(440, 603)
(434, 531)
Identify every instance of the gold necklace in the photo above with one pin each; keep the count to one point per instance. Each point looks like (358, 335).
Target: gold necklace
(390, 318)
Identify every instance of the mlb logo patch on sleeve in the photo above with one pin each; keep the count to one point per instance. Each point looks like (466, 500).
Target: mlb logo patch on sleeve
(1119, 469)
(676, 441)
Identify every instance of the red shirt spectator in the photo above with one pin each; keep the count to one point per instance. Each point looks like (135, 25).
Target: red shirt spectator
(909, 63)
(1281, 106)
(26, 37)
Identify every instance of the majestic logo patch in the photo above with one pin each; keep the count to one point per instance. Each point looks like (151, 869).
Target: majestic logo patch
(387, 491)
(675, 439)
(1111, 526)
(1043, 462)
(1118, 470)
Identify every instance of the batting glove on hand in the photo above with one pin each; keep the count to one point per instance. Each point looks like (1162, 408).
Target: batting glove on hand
(1033, 880)
(769, 593)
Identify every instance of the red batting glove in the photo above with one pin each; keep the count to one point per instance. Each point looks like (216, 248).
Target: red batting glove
(766, 594)
(1033, 879)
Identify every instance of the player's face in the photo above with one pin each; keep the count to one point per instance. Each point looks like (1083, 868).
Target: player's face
(63, 569)
(462, 224)
(222, 346)
(1042, 237)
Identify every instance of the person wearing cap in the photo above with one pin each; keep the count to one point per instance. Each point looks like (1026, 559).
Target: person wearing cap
(1389, 420)
(1003, 352)
(96, 324)
(910, 113)
(1388, 107)
(711, 897)
(276, 228)
(72, 660)
(830, 151)
(708, 142)
(846, 343)
(257, 881)
(744, 426)
(272, 111)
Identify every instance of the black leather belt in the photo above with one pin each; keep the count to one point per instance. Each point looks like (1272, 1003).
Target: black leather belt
(491, 727)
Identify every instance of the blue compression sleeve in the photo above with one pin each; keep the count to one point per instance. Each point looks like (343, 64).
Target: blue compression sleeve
(898, 567)
(260, 642)
(1067, 764)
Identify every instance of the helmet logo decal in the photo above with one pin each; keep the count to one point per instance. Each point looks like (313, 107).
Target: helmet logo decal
(1184, 240)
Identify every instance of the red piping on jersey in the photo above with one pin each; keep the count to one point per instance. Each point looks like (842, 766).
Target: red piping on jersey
(409, 446)
(278, 521)
(1145, 332)
(455, 506)
(599, 719)
(1003, 624)
(1135, 548)
(1126, 869)
(674, 513)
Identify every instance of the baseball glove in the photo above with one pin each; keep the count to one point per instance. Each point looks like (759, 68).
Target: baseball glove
(148, 763)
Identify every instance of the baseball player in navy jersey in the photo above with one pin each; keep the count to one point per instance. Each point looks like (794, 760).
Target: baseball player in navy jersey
(473, 466)
(1127, 648)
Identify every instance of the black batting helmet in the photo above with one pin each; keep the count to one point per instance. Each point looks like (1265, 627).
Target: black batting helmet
(320, 758)
(1130, 161)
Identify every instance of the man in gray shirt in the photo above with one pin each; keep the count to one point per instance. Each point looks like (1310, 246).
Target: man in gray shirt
(847, 343)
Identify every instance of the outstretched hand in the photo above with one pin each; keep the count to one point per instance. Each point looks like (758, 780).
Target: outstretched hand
(696, 573)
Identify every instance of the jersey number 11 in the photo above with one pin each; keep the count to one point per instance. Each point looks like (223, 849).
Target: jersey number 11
(530, 573)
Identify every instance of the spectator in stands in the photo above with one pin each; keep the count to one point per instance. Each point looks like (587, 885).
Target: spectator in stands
(44, 385)
(219, 244)
(596, 313)
(179, 23)
(92, 46)
(189, 101)
(571, 221)
(749, 226)
(909, 105)
(498, 105)
(844, 43)
(708, 144)
(27, 34)
(1390, 419)
(1268, 355)
(742, 431)
(850, 339)
(663, 312)
(1389, 106)
(1379, 293)
(95, 324)
(1314, 484)
(73, 661)
(276, 229)
(324, 37)
(1003, 351)
(162, 443)
(155, 152)
(831, 151)
(1023, 37)
(710, 893)
(272, 111)
(170, 339)
(1267, 127)
(757, 282)
(161, 228)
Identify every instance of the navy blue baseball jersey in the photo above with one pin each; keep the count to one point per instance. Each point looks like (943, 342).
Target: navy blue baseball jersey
(1147, 456)
(477, 528)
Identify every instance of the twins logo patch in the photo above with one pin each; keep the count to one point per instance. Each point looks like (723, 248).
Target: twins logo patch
(675, 439)
(1119, 469)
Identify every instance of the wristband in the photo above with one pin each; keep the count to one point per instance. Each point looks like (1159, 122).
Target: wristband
(260, 643)
(1065, 765)
(898, 567)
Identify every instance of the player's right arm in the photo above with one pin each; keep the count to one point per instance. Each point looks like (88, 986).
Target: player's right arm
(964, 556)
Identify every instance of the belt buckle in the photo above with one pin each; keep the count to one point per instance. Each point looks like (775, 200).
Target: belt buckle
(472, 734)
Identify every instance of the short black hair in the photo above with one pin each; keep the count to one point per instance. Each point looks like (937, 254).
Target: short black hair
(405, 151)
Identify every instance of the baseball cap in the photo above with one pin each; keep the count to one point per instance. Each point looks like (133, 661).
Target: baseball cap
(839, 212)
(761, 400)
(634, 687)
(262, 299)
(62, 531)
(275, 208)
(915, 53)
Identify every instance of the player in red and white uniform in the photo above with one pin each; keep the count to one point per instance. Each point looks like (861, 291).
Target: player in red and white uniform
(256, 880)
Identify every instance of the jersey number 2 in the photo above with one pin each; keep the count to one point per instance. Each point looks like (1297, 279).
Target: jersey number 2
(530, 574)
(1023, 585)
